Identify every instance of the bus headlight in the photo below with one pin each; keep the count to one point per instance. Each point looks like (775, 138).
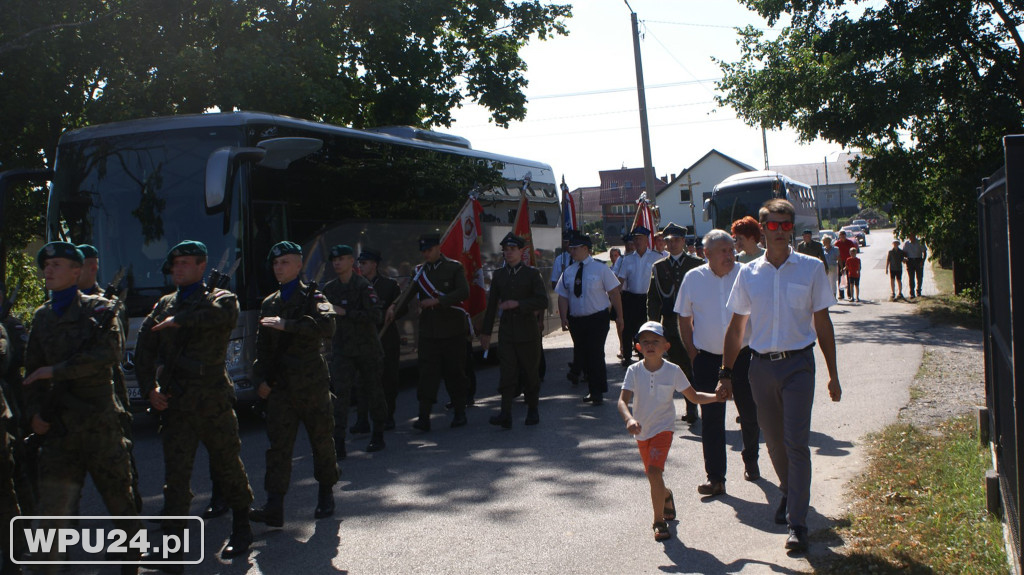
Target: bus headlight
(233, 360)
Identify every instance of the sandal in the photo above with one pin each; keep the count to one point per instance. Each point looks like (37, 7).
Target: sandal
(670, 507)
(661, 531)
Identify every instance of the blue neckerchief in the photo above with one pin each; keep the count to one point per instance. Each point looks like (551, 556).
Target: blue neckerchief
(287, 289)
(61, 300)
(185, 292)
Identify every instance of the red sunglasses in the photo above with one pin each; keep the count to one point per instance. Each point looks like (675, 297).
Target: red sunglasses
(774, 226)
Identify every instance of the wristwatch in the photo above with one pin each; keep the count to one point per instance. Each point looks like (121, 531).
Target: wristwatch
(724, 373)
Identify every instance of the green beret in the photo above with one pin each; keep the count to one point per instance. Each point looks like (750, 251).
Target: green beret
(88, 251)
(283, 249)
(342, 250)
(59, 250)
(185, 248)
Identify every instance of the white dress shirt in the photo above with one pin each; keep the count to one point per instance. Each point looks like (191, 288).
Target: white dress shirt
(703, 296)
(781, 302)
(562, 261)
(598, 280)
(636, 271)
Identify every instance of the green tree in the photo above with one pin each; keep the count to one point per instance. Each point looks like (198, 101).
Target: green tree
(65, 64)
(926, 88)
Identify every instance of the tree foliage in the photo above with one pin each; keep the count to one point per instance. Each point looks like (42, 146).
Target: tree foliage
(926, 88)
(70, 63)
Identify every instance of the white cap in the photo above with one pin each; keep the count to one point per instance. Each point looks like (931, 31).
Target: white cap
(651, 326)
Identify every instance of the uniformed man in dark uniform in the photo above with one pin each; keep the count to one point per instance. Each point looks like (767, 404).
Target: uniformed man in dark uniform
(387, 290)
(185, 339)
(517, 291)
(440, 287)
(355, 348)
(291, 374)
(73, 347)
(666, 277)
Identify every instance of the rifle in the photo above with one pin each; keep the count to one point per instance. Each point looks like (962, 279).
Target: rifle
(403, 297)
(58, 392)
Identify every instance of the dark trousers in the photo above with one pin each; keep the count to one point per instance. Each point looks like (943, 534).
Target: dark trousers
(712, 431)
(634, 314)
(439, 357)
(389, 372)
(677, 354)
(588, 336)
(744, 399)
(915, 274)
(519, 361)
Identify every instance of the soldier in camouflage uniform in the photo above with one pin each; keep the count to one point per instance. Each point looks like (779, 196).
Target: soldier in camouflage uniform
(444, 328)
(88, 284)
(387, 290)
(179, 362)
(518, 291)
(667, 276)
(291, 375)
(73, 347)
(355, 349)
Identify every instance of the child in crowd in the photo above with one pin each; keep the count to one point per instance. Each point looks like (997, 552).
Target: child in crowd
(894, 267)
(853, 274)
(650, 385)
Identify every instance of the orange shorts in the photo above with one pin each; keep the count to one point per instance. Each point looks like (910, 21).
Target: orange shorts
(654, 451)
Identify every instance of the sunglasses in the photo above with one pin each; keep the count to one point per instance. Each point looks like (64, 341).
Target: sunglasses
(774, 226)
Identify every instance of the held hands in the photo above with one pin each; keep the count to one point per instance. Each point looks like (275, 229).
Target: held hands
(273, 322)
(41, 373)
(724, 389)
(633, 426)
(167, 323)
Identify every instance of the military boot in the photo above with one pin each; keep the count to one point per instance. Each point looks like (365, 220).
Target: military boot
(272, 514)
(241, 531)
(339, 447)
(218, 505)
(376, 442)
(423, 423)
(324, 501)
(532, 416)
(149, 557)
(361, 427)
(460, 417)
(504, 417)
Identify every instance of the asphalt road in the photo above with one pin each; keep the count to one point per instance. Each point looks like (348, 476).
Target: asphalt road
(568, 495)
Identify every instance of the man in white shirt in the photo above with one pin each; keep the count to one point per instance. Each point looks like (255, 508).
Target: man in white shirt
(562, 260)
(703, 319)
(784, 297)
(915, 263)
(585, 290)
(635, 273)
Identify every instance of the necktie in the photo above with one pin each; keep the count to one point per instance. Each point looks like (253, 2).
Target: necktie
(577, 287)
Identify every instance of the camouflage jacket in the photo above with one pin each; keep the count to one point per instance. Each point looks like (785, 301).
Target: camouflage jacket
(292, 358)
(525, 285)
(193, 353)
(356, 332)
(81, 351)
(446, 319)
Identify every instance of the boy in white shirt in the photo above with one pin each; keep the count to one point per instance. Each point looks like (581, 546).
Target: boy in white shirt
(650, 385)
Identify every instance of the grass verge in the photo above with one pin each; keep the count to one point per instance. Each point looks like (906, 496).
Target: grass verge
(949, 308)
(920, 508)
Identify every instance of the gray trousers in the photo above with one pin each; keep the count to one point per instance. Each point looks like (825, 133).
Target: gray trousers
(784, 393)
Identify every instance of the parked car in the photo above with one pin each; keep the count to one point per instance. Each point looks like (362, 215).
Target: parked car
(863, 225)
(855, 233)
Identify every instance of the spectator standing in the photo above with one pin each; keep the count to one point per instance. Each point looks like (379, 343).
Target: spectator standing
(916, 253)
(831, 262)
(782, 367)
(812, 247)
(844, 244)
(894, 268)
(747, 233)
(853, 275)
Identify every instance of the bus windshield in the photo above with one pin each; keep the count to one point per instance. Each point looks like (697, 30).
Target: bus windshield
(134, 197)
(743, 199)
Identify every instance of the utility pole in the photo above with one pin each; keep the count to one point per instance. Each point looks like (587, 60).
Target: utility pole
(645, 134)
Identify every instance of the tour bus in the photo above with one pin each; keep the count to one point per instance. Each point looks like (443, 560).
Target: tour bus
(242, 181)
(743, 194)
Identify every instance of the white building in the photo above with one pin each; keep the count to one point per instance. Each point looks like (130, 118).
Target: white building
(697, 181)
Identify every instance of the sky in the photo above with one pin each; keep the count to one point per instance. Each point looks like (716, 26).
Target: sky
(583, 114)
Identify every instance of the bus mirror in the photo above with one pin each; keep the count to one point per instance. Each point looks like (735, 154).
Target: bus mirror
(218, 166)
(281, 152)
(707, 209)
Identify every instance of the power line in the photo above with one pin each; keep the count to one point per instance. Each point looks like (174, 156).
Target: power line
(601, 130)
(628, 89)
(695, 25)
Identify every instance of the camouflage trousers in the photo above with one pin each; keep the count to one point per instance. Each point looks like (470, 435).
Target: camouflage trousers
(286, 408)
(93, 444)
(202, 414)
(371, 392)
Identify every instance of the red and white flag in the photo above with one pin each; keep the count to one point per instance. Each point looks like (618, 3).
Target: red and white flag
(521, 228)
(643, 217)
(462, 243)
